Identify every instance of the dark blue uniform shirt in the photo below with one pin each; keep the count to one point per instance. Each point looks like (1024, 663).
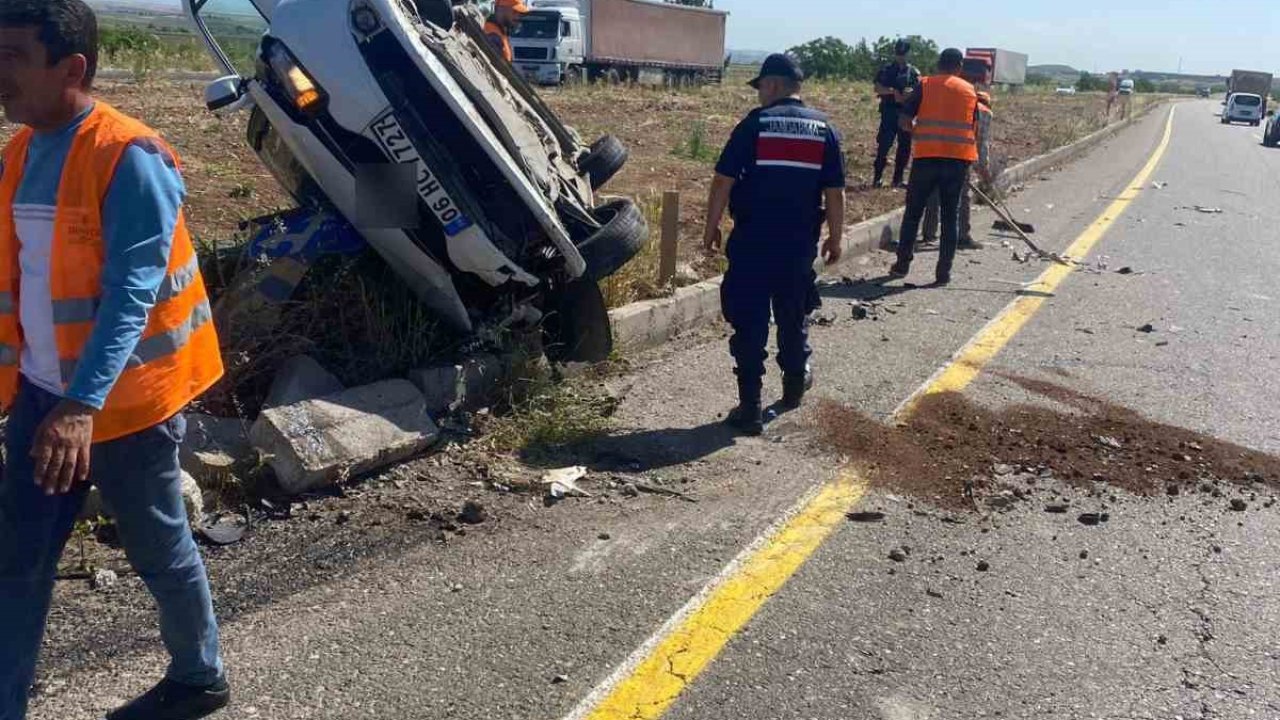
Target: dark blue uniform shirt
(782, 158)
(898, 77)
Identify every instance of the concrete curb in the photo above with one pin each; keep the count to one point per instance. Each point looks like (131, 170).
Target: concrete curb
(649, 323)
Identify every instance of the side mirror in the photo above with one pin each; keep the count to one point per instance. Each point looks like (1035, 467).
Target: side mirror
(226, 95)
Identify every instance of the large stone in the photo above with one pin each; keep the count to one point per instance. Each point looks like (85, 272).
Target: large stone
(95, 506)
(319, 442)
(301, 377)
(470, 385)
(215, 450)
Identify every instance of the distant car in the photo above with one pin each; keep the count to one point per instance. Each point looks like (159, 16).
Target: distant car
(1271, 136)
(1065, 91)
(1243, 107)
(1202, 92)
(1127, 86)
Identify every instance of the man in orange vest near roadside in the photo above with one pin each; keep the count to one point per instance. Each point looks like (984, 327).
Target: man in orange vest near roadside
(105, 336)
(942, 113)
(504, 21)
(982, 168)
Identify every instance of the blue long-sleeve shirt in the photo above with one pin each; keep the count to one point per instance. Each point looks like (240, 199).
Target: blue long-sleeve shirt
(139, 215)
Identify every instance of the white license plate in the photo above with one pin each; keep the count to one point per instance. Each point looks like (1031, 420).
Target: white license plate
(397, 146)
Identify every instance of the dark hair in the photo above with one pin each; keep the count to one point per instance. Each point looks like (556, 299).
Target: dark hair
(64, 27)
(951, 59)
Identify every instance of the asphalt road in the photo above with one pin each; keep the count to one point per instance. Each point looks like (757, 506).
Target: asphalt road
(1165, 611)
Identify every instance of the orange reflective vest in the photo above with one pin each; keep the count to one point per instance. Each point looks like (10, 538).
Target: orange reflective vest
(498, 35)
(177, 357)
(945, 122)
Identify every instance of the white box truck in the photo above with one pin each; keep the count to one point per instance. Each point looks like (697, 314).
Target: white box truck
(620, 40)
(1006, 66)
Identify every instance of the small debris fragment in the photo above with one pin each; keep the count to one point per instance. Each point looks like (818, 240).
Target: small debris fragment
(897, 555)
(103, 579)
(933, 593)
(1159, 185)
(559, 679)
(1148, 328)
(1162, 640)
(343, 518)
(1239, 505)
(563, 482)
(227, 530)
(1126, 270)
(859, 311)
(1057, 509)
(1108, 441)
(473, 513)
(1092, 519)
(1207, 210)
(1084, 554)
(604, 536)
(1172, 489)
(630, 490)
(984, 566)
(865, 516)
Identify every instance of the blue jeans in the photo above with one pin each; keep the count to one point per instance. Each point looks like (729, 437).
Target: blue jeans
(140, 479)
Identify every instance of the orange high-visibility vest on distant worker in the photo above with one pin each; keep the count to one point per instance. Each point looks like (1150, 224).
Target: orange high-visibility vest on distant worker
(945, 123)
(494, 31)
(177, 357)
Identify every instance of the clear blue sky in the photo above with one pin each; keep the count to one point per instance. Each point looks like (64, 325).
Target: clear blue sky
(1210, 36)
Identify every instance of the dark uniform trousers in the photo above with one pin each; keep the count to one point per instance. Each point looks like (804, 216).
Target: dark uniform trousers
(749, 292)
(889, 132)
(932, 218)
(946, 177)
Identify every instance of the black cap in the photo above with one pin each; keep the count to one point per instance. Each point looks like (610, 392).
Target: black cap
(902, 47)
(951, 57)
(778, 65)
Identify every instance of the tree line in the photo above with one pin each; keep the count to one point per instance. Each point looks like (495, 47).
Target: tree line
(833, 58)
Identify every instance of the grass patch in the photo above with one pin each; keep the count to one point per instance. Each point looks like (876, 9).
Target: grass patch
(638, 279)
(551, 413)
(695, 146)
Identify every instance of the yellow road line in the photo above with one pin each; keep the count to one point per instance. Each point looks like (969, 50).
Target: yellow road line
(654, 677)
(969, 361)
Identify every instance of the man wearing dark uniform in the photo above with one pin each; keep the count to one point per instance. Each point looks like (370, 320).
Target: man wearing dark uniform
(893, 83)
(781, 175)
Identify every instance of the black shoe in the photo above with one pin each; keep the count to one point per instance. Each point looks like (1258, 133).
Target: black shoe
(942, 281)
(877, 183)
(747, 419)
(970, 244)
(899, 185)
(899, 269)
(930, 241)
(171, 700)
(794, 388)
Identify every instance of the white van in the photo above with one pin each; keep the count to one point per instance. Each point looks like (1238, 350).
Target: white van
(1243, 107)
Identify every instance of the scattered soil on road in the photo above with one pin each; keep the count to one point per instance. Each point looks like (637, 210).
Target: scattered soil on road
(952, 448)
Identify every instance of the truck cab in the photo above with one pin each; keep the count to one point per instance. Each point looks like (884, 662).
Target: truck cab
(549, 45)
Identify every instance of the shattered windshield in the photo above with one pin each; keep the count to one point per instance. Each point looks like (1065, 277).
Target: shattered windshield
(235, 27)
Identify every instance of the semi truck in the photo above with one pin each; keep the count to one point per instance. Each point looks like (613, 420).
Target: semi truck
(1251, 81)
(641, 41)
(1005, 67)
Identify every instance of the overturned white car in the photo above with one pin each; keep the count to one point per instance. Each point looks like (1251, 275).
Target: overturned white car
(399, 118)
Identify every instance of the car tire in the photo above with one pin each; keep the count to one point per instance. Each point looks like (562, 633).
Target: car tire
(603, 160)
(622, 235)
(576, 325)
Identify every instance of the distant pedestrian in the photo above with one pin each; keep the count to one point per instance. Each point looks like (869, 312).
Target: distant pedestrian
(504, 21)
(932, 219)
(109, 339)
(943, 114)
(893, 83)
(781, 175)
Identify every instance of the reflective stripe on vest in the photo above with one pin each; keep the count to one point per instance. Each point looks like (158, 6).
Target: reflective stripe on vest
(945, 126)
(177, 358)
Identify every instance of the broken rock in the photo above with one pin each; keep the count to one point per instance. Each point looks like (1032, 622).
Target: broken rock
(322, 441)
(469, 385)
(103, 579)
(301, 377)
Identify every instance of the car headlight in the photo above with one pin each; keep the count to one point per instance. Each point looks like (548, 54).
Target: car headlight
(303, 91)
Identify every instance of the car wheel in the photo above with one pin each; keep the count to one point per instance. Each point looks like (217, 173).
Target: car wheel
(622, 235)
(436, 12)
(576, 326)
(605, 158)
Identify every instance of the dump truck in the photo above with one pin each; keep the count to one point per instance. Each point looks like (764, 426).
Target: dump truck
(641, 41)
(1006, 67)
(1254, 82)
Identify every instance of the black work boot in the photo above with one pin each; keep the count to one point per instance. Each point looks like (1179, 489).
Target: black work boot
(170, 700)
(747, 418)
(794, 388)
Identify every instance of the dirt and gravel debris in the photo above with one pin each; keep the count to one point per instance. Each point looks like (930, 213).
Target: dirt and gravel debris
(952, 449)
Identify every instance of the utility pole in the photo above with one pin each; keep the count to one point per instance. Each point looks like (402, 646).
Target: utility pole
(1179, 64)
